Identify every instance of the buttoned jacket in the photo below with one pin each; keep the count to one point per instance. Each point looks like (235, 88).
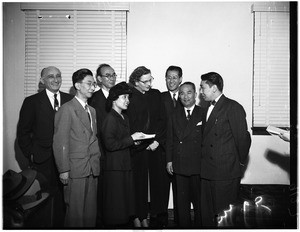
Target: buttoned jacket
(75, 144)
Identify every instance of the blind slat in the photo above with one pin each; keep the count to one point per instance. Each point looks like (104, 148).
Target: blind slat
(71, 40)
(271, 69)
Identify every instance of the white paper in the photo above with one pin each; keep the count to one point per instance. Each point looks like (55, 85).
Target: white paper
(146, 136)
(275, 130)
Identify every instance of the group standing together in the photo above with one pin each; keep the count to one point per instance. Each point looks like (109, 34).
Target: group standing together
(103, 168)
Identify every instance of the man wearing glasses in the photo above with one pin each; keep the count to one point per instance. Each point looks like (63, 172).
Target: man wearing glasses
(77, 153)
(146, 114)
(106, 78)
(35, 133)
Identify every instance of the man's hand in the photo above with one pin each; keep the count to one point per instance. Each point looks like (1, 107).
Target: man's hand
(64, 177)
(170, 168)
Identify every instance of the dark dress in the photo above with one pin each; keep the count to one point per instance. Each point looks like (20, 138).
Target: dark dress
(146, 114)
(118, 181)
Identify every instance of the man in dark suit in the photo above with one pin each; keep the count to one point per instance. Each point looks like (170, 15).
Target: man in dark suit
(225, 146)
(36, 127)
(77, 153)
(170, 98)
(184, 155)
(106, 76)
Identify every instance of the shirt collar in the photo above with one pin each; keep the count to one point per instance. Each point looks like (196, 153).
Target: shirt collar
(105, 92)
(81, 102)
(191, 109)
(217, 99)
(176, 95)
(51, 94)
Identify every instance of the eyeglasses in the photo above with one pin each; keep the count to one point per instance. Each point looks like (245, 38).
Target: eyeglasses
(90, 84)
(148, 81)
(110, 76)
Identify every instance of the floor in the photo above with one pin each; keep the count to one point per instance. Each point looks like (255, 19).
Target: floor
(259, 207)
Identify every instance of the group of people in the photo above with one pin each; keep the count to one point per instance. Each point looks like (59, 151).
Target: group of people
(110, 152)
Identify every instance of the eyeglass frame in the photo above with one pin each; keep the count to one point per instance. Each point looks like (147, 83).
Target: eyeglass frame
(90, 84)
(109, 76)
(150, 81)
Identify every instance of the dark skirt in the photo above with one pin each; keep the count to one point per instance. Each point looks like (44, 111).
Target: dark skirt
(119, 204)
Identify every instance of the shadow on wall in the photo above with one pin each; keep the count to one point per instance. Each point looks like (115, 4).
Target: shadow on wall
(278, 159)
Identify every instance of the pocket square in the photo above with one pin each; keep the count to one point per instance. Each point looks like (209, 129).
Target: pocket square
(199, 123)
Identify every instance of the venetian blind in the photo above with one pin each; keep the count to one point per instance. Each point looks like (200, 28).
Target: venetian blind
(271, 72)
(71, 40)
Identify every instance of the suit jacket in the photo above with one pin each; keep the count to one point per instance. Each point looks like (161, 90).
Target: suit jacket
(36, 125)
(184, 141)
(75, 145)
(226, 141)
(117, 140)
(98, 101)
(168, 102)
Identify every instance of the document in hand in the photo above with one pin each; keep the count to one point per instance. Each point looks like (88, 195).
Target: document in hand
(147, 136)
(275, 130)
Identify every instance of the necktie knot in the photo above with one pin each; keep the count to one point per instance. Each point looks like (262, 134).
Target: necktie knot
(56, 104)
(188, 117)
(213, 102)
(174, 99)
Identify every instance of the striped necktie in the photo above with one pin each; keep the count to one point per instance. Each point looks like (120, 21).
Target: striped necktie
(56, 104)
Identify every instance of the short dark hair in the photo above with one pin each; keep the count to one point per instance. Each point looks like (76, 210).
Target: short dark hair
(213, 78)
(174, 68)
(80, 74)
(189, 83)
(137, 73)
(98, 72)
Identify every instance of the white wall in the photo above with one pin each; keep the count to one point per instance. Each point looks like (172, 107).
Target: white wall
(13, 79)
(200, 37)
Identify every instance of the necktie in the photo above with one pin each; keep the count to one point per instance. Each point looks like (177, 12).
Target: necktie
(87, 111)
(213, 102)
(188, 117)
(56, 104)
(174, 100)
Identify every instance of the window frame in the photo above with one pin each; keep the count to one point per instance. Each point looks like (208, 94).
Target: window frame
(267, 7)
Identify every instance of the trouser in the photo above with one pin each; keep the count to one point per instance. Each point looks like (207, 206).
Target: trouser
(81, 202)
(54, 186)
(188, 191)
(216, 196)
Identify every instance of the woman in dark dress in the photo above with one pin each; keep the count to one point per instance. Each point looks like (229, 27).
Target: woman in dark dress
(119, 206)
(146, 114)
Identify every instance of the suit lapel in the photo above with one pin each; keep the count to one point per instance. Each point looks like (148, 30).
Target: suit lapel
(181, 122)
(195, 118)
(46, 104)
(212, 120)
(63, 98)
(82, 115)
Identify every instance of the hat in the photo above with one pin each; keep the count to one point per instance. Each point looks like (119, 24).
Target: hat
(119, 89)
(33, 196)
(15, 184)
